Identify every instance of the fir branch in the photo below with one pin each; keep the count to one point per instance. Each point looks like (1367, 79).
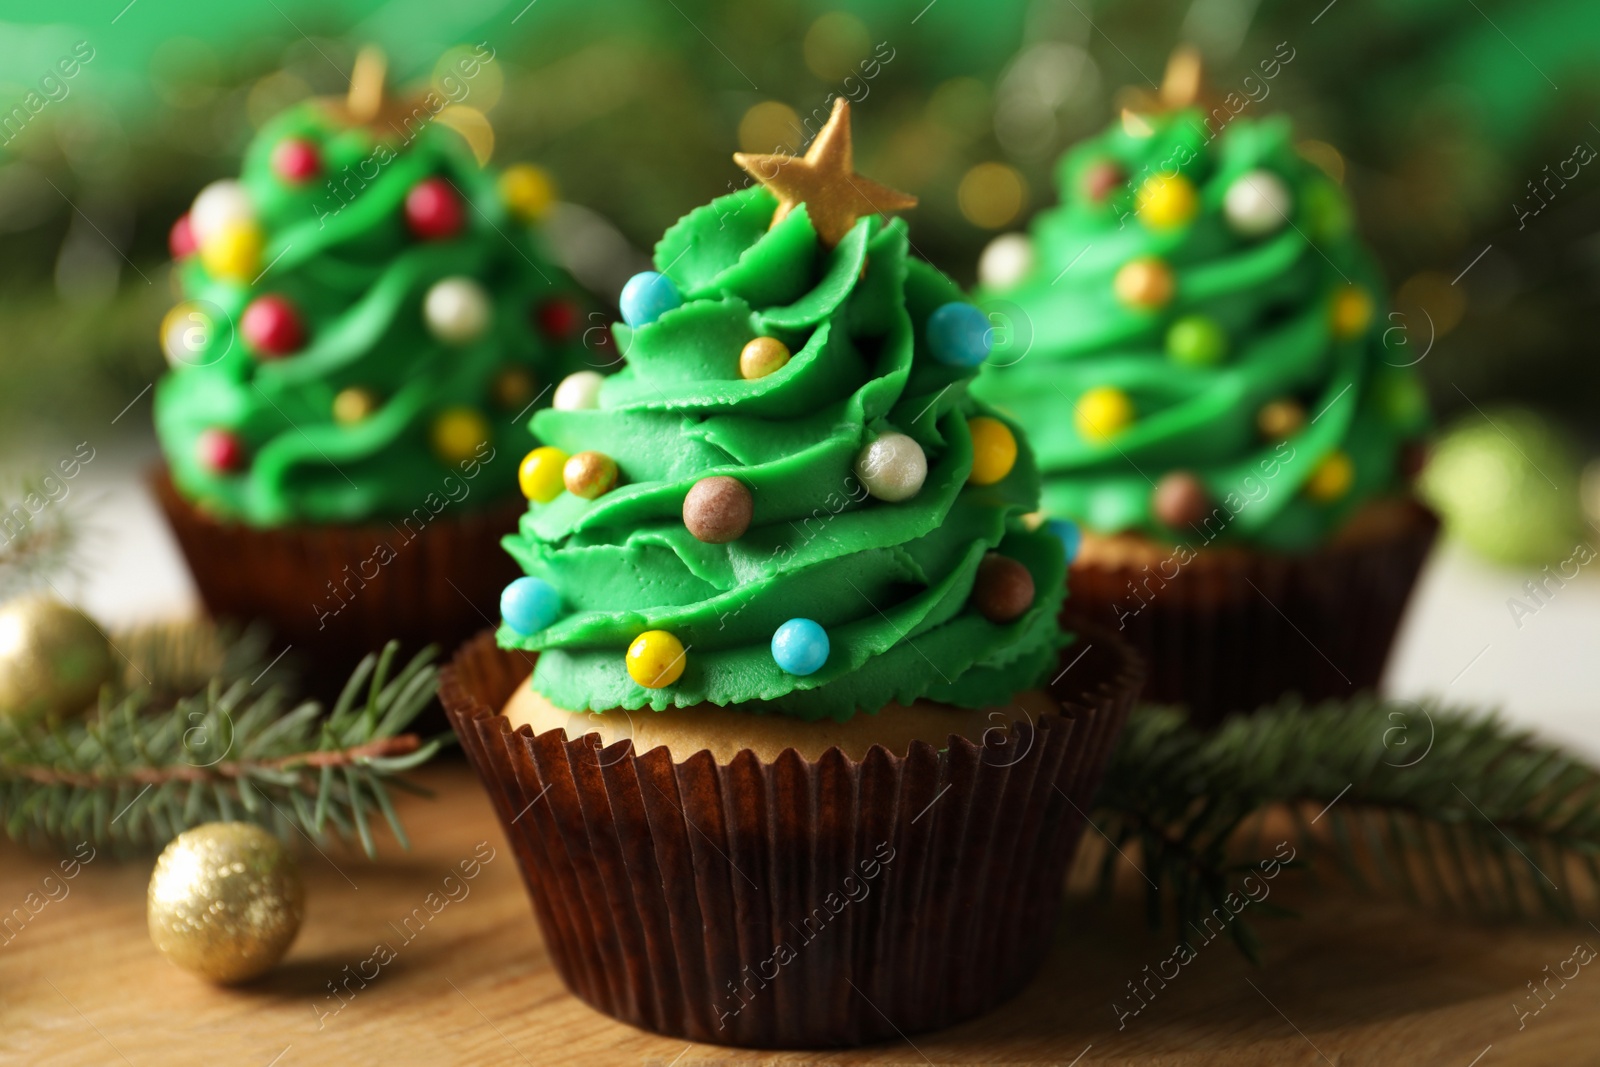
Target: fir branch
(144, 768)
(1452, 809)
(37, 537)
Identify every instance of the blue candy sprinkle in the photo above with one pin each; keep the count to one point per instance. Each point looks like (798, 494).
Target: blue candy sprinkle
(529, 605)
(960, 335)
(1069, 534)
(800, 646)
(648, 296)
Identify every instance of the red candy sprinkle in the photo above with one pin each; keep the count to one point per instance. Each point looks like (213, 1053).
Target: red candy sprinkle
(219, 451)
(296, 160)
(180, 239)
(272, 327)
(1100, 179)
(558, 318)
(433, 211)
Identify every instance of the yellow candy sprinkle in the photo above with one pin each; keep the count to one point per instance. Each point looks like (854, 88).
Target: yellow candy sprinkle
(457, 433)
(656, 659)
(540, 474)
(527, 190)
(354, 404)
(1352, 311)
(1165, 202)
(1102, 413)
(994, 450)
(1331, 480)
(235, 252)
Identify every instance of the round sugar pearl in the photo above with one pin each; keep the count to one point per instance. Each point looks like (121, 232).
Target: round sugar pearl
(296, 160)
(1066, 531)
(433, 210)
(718, 509)
(648, 296)
(272, 327)
(540, 474)
(578, 391)
(219, 451)
(456, 310)
(892, 468)
(219, 205)
(762, 356)
(800, 646)
(959, 335)
(1003, 588)
(458, 434)
(1196, 341)
(234, 251)
(1005, 261)
(590, 475)
(994, 450)
(1257, 203)
(1102, 413)
(1180, 499)
(1144, 283)
(1166, 202)
(529, 605)
(656, 659)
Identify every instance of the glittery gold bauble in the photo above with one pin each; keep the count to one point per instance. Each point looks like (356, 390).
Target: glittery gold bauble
(225, 901)
(53, 659)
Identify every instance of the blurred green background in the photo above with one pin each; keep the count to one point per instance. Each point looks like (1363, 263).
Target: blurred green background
(1445, 115)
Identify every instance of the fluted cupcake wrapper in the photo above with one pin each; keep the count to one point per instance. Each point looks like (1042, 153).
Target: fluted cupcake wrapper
(796, 903)
(338, 592)
(1235, 630)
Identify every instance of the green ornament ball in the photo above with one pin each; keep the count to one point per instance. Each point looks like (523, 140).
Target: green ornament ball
(1196, 341)
(53, 659)
(1506, 484)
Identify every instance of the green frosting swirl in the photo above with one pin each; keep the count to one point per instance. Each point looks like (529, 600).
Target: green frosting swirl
(340, 251)
(1272, 297)
(890, 582)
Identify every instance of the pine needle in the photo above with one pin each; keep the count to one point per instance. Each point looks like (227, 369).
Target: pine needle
(1488, 823)
(215, 735)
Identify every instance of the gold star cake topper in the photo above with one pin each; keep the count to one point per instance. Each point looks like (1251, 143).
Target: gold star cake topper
(1183, 85)
(825, 181)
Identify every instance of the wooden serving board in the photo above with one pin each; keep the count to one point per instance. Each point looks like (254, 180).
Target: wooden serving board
(1355, 981)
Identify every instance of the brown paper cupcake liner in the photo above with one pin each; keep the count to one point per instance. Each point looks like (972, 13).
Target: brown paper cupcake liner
(336, 593)
(795, 903)
(1235, 629)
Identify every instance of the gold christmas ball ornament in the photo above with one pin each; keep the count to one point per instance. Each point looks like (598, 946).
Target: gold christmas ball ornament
(225, 901)
(53, 659)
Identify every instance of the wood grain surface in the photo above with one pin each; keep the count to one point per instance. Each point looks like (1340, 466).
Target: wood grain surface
(466, 979)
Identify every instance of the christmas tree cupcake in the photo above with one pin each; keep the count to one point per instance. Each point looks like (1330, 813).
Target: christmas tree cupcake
(1199, 358)
(790, 642)
(366, 326)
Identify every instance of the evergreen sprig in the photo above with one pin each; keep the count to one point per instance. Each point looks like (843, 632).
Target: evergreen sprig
(149, 765)
(1455, 810)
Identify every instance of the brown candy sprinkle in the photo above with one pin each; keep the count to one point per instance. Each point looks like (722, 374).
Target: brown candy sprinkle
(718, 509)
(1003, 589)
(1181, 499)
